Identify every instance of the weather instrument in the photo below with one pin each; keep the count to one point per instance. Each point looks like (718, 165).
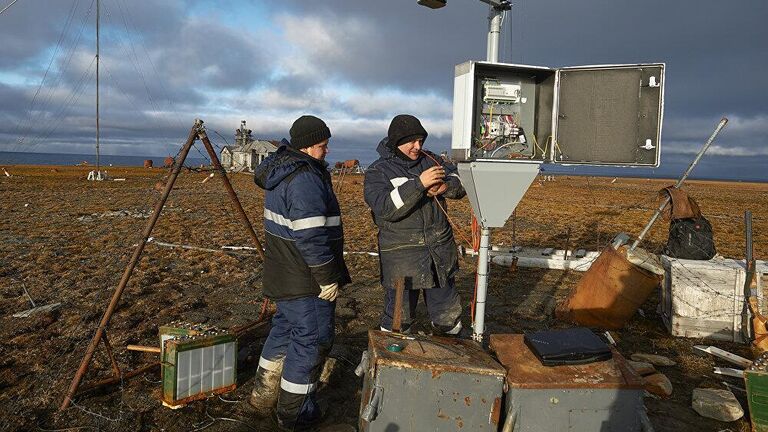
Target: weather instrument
(509, 119)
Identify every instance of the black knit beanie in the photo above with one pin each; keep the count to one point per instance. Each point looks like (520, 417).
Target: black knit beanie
(405, 128)
(307, 131)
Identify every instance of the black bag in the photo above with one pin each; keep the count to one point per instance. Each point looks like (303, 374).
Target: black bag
(690, 239)
(567, 347)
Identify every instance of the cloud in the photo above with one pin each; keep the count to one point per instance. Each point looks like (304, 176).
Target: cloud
(742, 136)
(356, 64)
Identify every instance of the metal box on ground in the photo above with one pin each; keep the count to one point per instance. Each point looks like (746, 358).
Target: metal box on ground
(600, 396)
(180, 328)
(756, 381)
(419, 383)
(705, 299)
(196, 366)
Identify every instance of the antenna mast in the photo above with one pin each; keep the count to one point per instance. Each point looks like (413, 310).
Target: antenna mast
(98, 161)
(97, 175)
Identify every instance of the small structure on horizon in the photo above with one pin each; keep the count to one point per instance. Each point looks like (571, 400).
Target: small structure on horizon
(349, 166)
(247, 152)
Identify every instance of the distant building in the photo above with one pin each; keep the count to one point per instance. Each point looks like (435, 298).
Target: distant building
(247, 152)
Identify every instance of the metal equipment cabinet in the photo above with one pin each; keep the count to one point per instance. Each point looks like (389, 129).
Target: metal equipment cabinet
(418, 383)
(601, 396)
(594, 115)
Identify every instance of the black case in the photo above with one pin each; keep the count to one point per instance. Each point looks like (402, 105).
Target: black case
(567, 347)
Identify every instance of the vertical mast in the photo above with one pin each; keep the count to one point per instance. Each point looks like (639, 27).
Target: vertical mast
(98, 162)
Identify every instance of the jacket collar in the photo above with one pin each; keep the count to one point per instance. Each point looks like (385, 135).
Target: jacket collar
(387, 153)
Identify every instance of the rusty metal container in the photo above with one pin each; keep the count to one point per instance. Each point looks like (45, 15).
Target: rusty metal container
(609, 293)
(599, 396)
(148, 163)
(419, 383)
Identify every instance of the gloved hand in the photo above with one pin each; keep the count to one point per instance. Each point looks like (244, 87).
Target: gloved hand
(329, 292)
(437, 190)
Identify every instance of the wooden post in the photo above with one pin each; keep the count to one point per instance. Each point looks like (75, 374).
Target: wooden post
(397, 315)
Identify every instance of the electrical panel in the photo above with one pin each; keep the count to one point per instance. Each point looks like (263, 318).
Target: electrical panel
(597, 115)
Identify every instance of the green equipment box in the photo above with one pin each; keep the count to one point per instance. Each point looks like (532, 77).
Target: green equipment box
(756, 380)
(197, 364)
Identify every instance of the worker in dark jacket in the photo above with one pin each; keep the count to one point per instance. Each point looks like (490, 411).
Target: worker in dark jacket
(405, 189)
(303, 271)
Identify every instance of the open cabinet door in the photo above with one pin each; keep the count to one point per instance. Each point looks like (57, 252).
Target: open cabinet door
(609, 115)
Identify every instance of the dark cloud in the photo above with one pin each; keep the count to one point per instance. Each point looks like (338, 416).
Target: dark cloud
(357, 63)
(21, 46)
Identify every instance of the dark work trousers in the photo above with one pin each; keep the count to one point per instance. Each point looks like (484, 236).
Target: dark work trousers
(443, 306)
(302, 332)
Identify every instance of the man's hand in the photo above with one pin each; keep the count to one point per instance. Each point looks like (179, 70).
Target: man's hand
(329, 292)
(437, 189)
(432, 176)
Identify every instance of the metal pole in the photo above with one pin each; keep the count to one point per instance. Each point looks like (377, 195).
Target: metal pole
(663, 205)
(482, 284)
(232, 194)
(98, 156)
(129, 269)
(494, 28)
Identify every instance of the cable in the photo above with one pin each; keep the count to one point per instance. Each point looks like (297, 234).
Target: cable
(6, 8)
(61, 70)
(28, 120)
(450, 221)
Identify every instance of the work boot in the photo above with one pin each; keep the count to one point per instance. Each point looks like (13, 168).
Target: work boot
(457, 331)
(266, 387)
(298, 412)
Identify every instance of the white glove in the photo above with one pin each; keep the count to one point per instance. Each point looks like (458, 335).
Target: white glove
(329, 292)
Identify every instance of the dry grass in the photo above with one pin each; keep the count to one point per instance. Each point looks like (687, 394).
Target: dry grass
(59, 241)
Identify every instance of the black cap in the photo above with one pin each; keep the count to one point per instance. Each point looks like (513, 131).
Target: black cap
(307, 131)
(405, 128)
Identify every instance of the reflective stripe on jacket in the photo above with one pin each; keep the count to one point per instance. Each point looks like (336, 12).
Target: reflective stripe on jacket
(302, 220)
(415, 238)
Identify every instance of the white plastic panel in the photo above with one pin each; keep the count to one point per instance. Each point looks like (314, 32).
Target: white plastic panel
(204, 369)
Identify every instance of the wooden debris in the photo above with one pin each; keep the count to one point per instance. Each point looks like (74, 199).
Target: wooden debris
(725, 355)
(736, 373)
(29, 312)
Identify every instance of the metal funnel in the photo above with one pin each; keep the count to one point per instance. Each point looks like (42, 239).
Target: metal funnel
(494, 188)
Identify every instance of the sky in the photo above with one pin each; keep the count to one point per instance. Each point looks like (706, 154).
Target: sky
(356, 64)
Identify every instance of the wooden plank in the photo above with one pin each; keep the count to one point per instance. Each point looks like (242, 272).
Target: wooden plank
(736, 373)
(725, 355)
(524, 370)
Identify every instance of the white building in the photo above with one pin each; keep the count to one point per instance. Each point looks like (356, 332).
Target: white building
(247, 152)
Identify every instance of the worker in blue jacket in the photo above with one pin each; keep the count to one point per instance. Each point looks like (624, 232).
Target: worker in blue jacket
(405, 189)
(303, 271)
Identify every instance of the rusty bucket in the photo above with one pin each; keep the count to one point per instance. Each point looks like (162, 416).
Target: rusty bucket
(609, 293)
